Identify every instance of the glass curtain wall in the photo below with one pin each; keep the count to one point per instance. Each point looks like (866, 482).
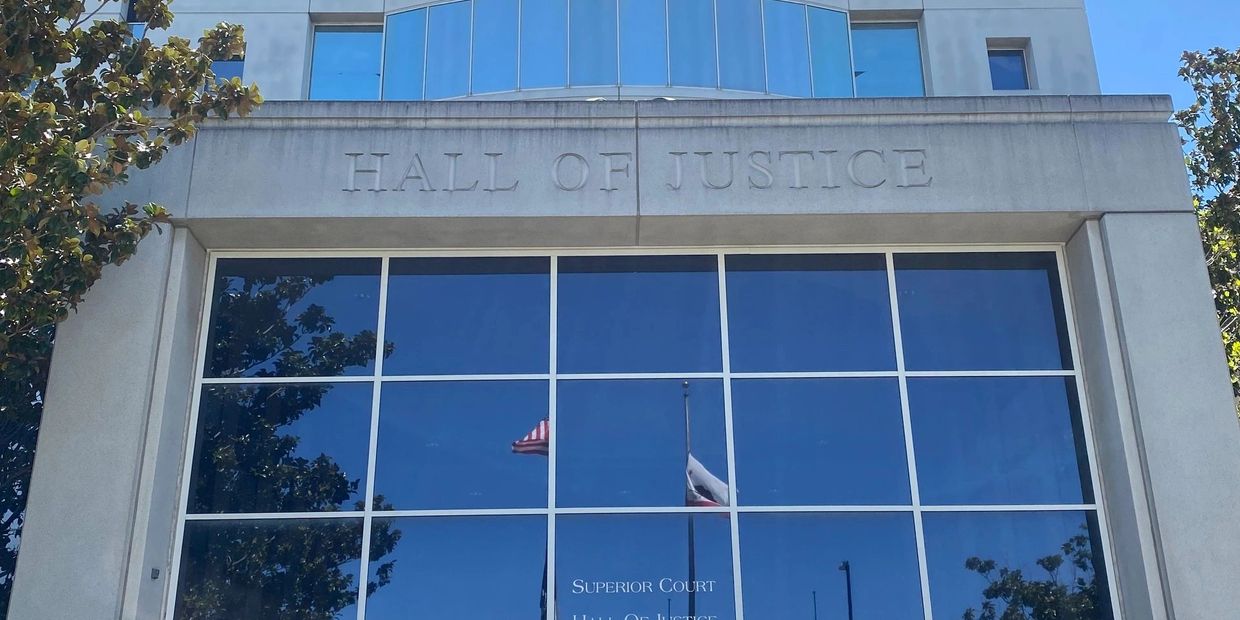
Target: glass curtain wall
(476, 47)
(698, 434)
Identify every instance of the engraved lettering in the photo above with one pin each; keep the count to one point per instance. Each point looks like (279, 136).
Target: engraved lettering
(354, 170)
(762, 169)
(680, 170)
(493, 163)
(610, 168)
(910, 160)
(852, 168)
(796, 167)
(830, 159)
(705, 155)
(452, 187)
(416, 171)
(583, 172)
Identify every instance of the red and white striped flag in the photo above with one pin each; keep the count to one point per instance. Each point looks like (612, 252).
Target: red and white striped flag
(702, 488)
(538, 441)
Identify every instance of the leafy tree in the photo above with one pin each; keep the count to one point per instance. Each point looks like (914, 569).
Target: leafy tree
(1068, 590)
(1212, 127)
(82, 101)
(247, 458)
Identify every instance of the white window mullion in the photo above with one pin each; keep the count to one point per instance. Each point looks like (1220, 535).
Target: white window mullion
(368, 507)
(909, 451)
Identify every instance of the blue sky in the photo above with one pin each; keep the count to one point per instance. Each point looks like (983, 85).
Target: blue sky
(1138, 42)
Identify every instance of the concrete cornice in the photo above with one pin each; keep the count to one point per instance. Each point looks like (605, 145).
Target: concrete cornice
(706, 113)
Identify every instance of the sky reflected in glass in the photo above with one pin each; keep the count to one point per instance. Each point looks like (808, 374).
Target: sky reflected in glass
(448, 445)
(819, 442)
(649, 553)
(793, 565)
(462, 567)
(982, 312)
(998, 440)
(345, 66)
(888, 60)
(960, 546)
(404, 56)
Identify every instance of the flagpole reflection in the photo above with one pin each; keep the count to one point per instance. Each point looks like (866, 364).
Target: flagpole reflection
(692, 554)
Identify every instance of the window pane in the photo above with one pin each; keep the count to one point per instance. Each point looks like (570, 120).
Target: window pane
(622, 442)
(998, 440)
(281, 448)
(794, 566)
(643, 42)
(888, 58)
(593, 42)
(450, 445)
(692, 29)
(304, 568)
(404, 56)
(495, 46)
(981, 312)
(544, 40)
(615, 565)
(440, 566)
(809, 312)
(819, 442)
(1050, 562)
(740, 59)
(468, 316)
(447, 71)
(226, 70)
(345, 66)
(639, 314)
(787, 50)
(293, 317)
(828, 35)
(1007, 70)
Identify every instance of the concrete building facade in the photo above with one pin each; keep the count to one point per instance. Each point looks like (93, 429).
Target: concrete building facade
(1088, 192)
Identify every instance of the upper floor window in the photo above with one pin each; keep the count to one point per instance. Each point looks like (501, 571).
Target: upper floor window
(888, 60)
(464, 48)
(346, 63)
(1009, 69)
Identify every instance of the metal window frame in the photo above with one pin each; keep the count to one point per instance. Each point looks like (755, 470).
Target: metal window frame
(1097, 507)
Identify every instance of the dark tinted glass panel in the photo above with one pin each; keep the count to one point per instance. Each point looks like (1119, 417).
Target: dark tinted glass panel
(831, 53)
(888, 60)
(304, 568)
(226, 70)
(639, 314)
(998, 440)
(643, 42)
(495, 46)
(468, 316)
(458, 567)
(1008, 70)
(293, 317)
(740, 57)
(404, 56)
(787, 49)
(799, 566)
(691, 25)
(592, 47)
(450, 445)
(809, 312)
(345, 66)
(981, 312)
(1031, 553)
(447, 72)
(615, 565)
(819, 441)
(281, 448)
(544, 43)
(622, 442)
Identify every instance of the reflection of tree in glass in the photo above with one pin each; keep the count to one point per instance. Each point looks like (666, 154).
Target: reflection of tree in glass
(1010, 595)
(284, 569)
